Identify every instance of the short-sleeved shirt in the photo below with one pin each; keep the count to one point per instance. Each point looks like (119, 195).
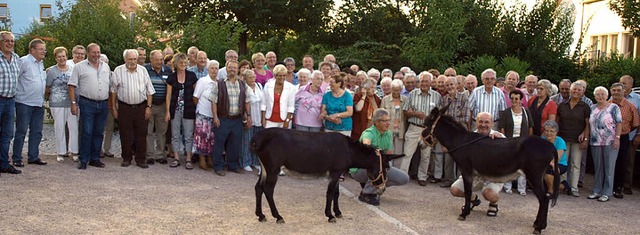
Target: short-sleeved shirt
(131, 87)
(308, 107)
(481, 101)
(57, 80)
(9, 72)
(233, 91)
(263, 78)
(635, 100)
(572, 121)
(458, 107)
(199, 73)
(421, 102)
(379, 140)
(31, 82)
(159, 82)
(603, 124)
(202, 91)
(560, 145)
(338, 105)
(630, 119)
(90, 82)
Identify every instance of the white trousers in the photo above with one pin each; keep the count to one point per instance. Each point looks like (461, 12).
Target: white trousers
(412, 141)
(62, 116)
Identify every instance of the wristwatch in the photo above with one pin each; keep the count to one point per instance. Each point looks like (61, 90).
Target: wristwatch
(149, 106)
(74, 102)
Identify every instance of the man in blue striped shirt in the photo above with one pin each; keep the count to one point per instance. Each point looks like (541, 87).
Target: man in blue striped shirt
(9, 71)
(158, 73)
(487, 98)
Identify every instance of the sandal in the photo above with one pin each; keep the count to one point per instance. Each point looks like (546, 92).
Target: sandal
(493, 210)
(175, 163)
(188, 165)
(475, 202)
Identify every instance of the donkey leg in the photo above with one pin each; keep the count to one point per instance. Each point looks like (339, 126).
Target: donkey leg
(336, 207)
(259, 191)
(538, 188)
(331, 191)
(269, 188)
(468, 183)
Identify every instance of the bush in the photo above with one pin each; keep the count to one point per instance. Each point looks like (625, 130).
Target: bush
(606, 71)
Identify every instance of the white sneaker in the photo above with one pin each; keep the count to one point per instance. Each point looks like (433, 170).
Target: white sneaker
(258, 167)
(248, 169)
(60, 158)
(523, 193)
(508, 191)
(76, 159)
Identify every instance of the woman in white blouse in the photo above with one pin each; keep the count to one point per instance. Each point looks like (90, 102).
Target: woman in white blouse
(279, 100)
(248, 159)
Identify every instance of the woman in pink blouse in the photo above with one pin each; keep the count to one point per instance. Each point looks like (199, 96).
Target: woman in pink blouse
(262, 75)
(309, 104)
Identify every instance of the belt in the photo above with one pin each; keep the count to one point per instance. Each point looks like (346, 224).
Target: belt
(6, 98)
(233, 116)
(132, 105)
(423, 126)
(92, 100)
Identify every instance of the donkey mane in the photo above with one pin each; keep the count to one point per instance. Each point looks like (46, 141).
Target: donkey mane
(448, 119)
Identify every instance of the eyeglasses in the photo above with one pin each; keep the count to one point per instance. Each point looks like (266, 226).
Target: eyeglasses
(515, 98)
(385, 120)
(8, 41)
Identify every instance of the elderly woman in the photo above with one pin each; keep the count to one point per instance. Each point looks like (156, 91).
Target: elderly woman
(337, 107)
(303, 78)
(361, 76)
(516, 121)
(203, 133)
(573, 119)
(393, 104)
(262, 75)
(385, 86)
(542, 107)
(60, 105)
(168, 61)
(181, 110)
(309, 104)
(365, 103)
(292, 77)
(279, 100)
(605, 127)
(244, 65)
(248, 159)
(550, 134)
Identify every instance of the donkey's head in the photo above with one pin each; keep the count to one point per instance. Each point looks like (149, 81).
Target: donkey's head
(378, 172)
(430, 125)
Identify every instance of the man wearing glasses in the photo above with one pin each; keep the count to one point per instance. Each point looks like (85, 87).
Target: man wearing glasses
(487, 98)
(29, 103)
(9, 71)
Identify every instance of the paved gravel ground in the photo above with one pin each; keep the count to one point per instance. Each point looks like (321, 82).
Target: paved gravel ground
(59, 199)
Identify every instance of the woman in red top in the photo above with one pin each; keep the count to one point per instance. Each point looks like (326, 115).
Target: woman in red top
(541, 107)
(365, 102)
(279, 100)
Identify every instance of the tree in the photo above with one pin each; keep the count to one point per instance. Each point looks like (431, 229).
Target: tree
(629, 11)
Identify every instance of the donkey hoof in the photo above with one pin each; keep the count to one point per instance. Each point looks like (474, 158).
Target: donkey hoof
(338, 215)
(280, 221)
(537, 231)
(332, 220)
(462, 218)
(262, 219)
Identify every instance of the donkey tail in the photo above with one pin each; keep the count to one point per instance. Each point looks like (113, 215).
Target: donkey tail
(556, 178)
(258, 142)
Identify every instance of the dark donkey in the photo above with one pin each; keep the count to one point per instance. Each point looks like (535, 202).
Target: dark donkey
(495, 159)
(317, 154)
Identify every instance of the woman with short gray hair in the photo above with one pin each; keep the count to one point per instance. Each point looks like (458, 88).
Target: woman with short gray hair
(550, 133)
(393, 104)
(202, 133)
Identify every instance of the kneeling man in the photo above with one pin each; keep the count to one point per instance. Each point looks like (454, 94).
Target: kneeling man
(490, 190)
(378, 136)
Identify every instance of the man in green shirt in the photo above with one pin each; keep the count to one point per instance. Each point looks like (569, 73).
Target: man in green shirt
(378, 136)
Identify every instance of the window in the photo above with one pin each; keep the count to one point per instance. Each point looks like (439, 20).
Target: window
(4, 11)
(45, 12)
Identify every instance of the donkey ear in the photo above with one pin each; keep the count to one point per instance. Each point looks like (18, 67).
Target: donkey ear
(390, 157)
(444, 109)
(434, 112)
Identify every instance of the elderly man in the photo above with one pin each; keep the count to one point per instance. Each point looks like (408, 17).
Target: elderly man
(168, 51)
(398, 76)
(419, 104)
(409, 83)
(330, 58)
(374, 73)
(440, 85)
(470, 83)
(563, 94)
(387, 73)
(131, 96)
(201, 65)
(229, 55)
(78, 54)
(378, 136)
(158, 74)
(450, 72)
(192, 54)
(458, 109)
(10, 71)
(355, 68)
(630, 121)
(231, 107)
(405, 70)
(29, 101)
(272, 60)
(532, 82)
(142, 56)
(490, 190)
(634, 136)
(460, 86)
(91, 80)
(487, 98)
(307, 62)
(511, 81)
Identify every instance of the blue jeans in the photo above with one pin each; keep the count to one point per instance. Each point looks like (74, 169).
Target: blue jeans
(28, 118)
(230, 131)
(7, 111)
(93, 116)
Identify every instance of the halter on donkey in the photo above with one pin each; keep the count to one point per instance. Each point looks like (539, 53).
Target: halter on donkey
(475, 154)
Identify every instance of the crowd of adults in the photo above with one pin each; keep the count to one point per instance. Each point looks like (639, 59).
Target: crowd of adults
(185, 104)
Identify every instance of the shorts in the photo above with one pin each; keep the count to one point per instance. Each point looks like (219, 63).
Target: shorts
(478, 184)
(563, 169)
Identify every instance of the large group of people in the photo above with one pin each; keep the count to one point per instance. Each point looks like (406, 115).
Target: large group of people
(186, 105)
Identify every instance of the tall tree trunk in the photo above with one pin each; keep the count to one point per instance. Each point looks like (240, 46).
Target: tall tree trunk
(242, 44)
